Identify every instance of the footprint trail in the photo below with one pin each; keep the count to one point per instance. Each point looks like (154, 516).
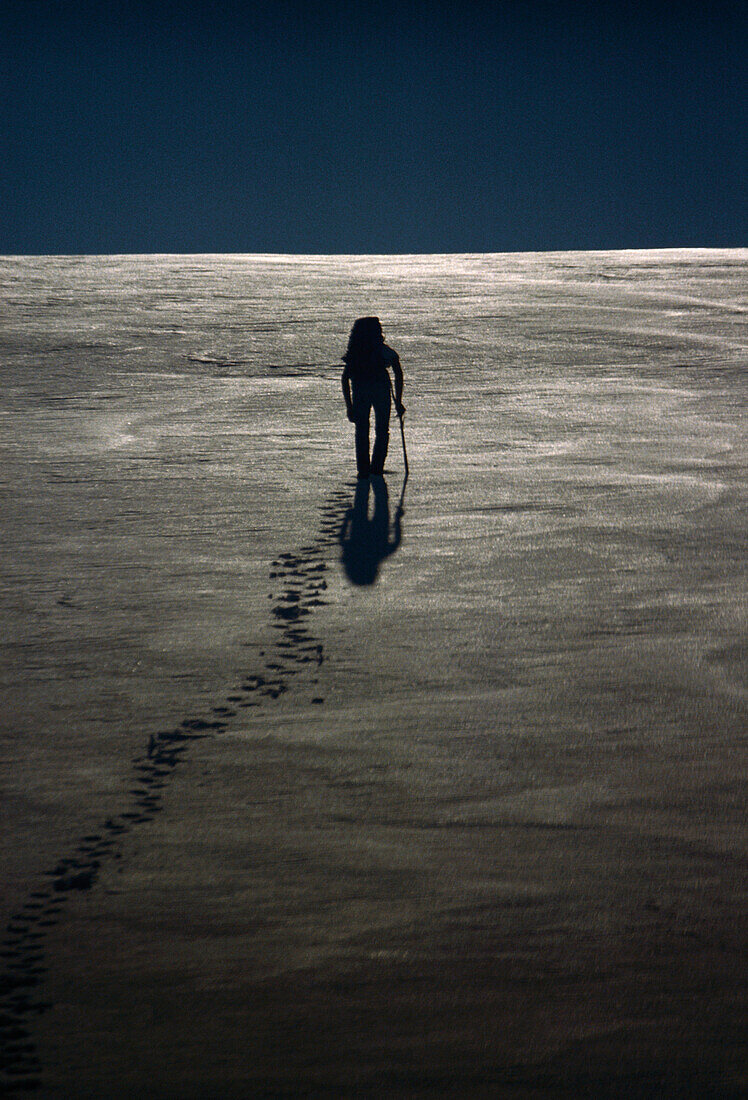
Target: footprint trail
(293, 657)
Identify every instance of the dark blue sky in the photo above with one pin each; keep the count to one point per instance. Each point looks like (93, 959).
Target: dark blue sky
(370, 127)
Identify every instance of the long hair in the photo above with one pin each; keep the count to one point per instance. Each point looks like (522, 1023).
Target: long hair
(364, 345)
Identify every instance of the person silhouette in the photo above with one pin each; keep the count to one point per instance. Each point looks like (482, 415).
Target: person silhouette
(366, 385)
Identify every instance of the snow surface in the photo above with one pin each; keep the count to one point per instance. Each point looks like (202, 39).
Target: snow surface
(306, 786)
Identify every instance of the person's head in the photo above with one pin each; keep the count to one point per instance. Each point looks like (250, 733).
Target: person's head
(364, 342)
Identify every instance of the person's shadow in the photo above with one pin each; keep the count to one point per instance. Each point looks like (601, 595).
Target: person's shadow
(367, 540)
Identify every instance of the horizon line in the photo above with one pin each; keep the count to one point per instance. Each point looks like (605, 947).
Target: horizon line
(378, 255)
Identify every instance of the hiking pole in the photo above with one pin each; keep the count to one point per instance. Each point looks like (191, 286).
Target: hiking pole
(402, 426)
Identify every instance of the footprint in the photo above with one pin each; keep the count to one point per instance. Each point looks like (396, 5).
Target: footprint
(24, 957)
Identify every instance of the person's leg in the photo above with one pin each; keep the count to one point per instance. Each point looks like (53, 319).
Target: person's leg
(382, 403)
(361, 408)
(362, 445)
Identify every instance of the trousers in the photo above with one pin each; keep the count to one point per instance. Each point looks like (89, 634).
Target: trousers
(367, 394)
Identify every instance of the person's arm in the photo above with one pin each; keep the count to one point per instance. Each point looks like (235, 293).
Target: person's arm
(346, 383)
(397, 370)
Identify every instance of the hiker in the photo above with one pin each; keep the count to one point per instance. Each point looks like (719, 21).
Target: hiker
(366, 385)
